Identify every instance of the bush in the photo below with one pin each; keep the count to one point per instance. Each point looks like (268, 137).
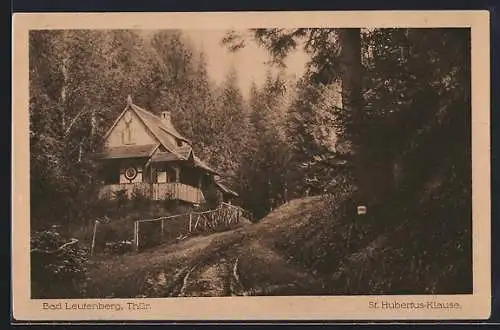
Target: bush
(57, 274)
(119, 247)
(213, 197)
(140, 197)
(110, 233)
(121, 197)
(169, 203)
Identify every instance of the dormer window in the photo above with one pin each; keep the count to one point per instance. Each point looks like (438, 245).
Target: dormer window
(179, 142)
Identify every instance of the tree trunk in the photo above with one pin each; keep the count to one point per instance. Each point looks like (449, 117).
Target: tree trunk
(63, 93)
(93, 129)
(350, 60)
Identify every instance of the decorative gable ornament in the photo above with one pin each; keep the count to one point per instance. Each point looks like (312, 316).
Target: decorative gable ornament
(127, 117)
(130, 173)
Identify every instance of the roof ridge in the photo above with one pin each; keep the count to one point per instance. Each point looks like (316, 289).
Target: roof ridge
(135, 108)
(161, 126)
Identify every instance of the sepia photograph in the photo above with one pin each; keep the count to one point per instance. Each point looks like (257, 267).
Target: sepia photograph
(241, 162)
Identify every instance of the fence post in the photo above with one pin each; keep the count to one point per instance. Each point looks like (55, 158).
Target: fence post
(197, 220)
(190, 221)
(162, 224)
(136, 235)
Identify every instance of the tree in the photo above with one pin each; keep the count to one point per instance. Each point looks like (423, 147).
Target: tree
(203, 102)
(230, 122)
(335, 57)
(312, 134)
(79, 80)
(265, 160)
(406, 125)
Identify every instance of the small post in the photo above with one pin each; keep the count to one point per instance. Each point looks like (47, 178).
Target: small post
(190, 221)
(197, 220)
(93, 238)
(136, 235)
(162, 224)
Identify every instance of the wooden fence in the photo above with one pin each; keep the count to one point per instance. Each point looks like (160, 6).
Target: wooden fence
(151, 232)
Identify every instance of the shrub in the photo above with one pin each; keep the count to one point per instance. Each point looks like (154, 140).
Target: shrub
(121, 197)
(140, 197)
(213, 197)
(119, 247)
(111, 232)
(57, 274)
(169, 203)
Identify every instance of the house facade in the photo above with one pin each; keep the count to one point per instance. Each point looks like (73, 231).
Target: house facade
(144, 153)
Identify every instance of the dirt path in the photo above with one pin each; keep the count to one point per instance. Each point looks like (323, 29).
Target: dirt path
(213, 280)
(210, 276)
(243, 261)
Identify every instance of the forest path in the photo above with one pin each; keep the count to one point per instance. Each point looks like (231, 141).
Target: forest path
(243, 261)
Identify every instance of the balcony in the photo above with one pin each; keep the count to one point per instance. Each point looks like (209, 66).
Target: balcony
(155, 191)
(177, 190)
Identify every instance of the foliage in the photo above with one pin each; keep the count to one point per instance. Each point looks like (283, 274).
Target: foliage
(264, 166)
(312, 130)
(119, 247)
(121, 196)
(231, 124)
(213, 198)
(402, 134)
(57, 275)
(381, 112)
(140, 197)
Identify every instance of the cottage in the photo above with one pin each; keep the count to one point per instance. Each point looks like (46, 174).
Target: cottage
(145, 153)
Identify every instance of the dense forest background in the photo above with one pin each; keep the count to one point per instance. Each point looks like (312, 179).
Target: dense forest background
(381, 116)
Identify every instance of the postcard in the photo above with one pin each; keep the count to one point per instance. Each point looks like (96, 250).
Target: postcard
(251, 166)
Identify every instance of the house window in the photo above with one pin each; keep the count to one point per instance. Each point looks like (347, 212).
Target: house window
(161, 177)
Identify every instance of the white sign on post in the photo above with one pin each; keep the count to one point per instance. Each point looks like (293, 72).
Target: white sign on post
(361, 209)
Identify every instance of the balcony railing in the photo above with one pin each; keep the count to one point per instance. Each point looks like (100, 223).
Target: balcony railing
(177, 190)
(155, 191)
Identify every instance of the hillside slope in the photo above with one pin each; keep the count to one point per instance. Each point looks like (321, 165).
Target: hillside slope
(298, 249)
(238, 262)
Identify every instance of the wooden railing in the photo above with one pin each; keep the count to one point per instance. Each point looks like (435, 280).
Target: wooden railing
(241, 211)
(149, 232)
(155, 191)
(177, 190)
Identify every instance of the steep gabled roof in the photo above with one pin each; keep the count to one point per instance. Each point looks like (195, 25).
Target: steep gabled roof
(164, 157)
(161, 135)
(225, 189)
(154, 120)
(201, 164)
(141, 151)
(161, 131)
